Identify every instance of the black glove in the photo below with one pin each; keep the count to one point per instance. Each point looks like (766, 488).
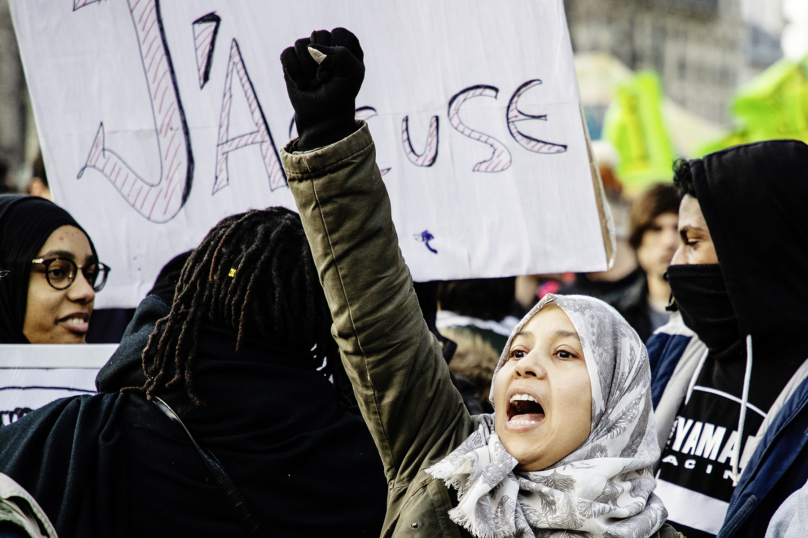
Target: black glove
(324, 94)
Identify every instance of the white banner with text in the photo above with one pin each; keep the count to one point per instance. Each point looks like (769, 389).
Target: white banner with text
(158, 119)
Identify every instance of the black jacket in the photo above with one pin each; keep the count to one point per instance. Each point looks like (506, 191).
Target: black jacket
(113, 465)
(753, 199)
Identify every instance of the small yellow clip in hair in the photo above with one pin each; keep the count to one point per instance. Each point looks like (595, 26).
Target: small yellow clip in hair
(232, 273)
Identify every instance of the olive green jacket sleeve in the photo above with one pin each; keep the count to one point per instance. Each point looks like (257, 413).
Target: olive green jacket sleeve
(395, 364)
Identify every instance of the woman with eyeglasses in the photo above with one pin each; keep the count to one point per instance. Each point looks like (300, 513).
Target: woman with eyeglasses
(49, 273)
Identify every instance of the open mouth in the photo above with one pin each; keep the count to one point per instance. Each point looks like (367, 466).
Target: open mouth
(524, 409)
(78, 322)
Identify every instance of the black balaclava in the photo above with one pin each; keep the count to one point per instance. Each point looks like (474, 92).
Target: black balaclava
(703, 301)
(26, 222)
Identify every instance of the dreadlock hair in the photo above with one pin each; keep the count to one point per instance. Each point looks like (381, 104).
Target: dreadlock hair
(253, 274)
(683, 178)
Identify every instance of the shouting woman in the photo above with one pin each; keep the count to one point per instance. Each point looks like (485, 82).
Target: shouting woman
(571, 445)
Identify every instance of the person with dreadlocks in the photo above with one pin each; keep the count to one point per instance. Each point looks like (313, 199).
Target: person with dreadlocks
(242, 359)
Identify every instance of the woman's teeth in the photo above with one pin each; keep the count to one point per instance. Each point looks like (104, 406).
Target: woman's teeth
(524, 410)
(78, 323)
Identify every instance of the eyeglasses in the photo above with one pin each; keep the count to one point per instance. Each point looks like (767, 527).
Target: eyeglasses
(61, 272)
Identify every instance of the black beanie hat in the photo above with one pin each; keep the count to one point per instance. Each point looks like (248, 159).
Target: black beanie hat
(26, 222)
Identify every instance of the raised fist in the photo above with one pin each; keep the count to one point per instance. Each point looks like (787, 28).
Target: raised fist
(323, 75)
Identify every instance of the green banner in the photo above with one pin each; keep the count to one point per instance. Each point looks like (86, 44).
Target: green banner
(772, 105)
(775, 103)
(635, 126)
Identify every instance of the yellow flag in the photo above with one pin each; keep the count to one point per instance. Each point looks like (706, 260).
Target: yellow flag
(775, 103)
(772, 105)
(635, 126)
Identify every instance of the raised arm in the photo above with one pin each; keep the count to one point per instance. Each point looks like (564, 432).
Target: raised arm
(395, 364)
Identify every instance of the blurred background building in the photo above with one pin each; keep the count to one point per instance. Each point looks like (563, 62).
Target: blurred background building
(14, 108)
(701, 49)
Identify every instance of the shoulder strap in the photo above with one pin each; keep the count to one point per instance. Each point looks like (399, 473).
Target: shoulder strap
(234, 496)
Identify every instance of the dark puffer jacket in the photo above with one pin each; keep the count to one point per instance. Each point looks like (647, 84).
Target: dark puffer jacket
(114, 465)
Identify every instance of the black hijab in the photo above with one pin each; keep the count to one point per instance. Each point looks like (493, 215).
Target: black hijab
(26, 222)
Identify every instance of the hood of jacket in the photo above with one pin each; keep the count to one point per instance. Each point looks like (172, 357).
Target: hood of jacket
(753, 198)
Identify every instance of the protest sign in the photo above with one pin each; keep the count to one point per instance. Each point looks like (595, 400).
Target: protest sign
(771, 106)
(775, 103)
(34, 375)
(157, 119)
(636, 126)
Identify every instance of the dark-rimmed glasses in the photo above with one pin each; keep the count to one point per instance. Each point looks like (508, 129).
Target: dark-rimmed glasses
(61, 272)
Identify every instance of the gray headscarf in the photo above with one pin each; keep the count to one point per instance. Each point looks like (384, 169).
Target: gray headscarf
(602, 488)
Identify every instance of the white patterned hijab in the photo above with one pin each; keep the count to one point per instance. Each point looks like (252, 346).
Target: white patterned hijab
(602, 488)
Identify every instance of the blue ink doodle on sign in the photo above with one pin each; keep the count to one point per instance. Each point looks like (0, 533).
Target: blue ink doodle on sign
(4, 273)
(425, 237)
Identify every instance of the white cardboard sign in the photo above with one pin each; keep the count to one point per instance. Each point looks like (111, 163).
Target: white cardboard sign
(157, 119)
(32, 376)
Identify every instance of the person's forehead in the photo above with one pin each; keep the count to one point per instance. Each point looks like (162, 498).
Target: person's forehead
(67, 240)
(666, 219)
(690, 214)
(548, 322)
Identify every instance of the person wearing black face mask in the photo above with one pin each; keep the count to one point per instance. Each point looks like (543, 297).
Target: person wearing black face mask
(730, 375)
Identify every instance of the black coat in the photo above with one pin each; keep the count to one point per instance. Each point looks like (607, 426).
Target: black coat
(114, 465)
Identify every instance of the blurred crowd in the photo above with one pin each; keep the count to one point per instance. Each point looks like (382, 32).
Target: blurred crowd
(36, 184)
